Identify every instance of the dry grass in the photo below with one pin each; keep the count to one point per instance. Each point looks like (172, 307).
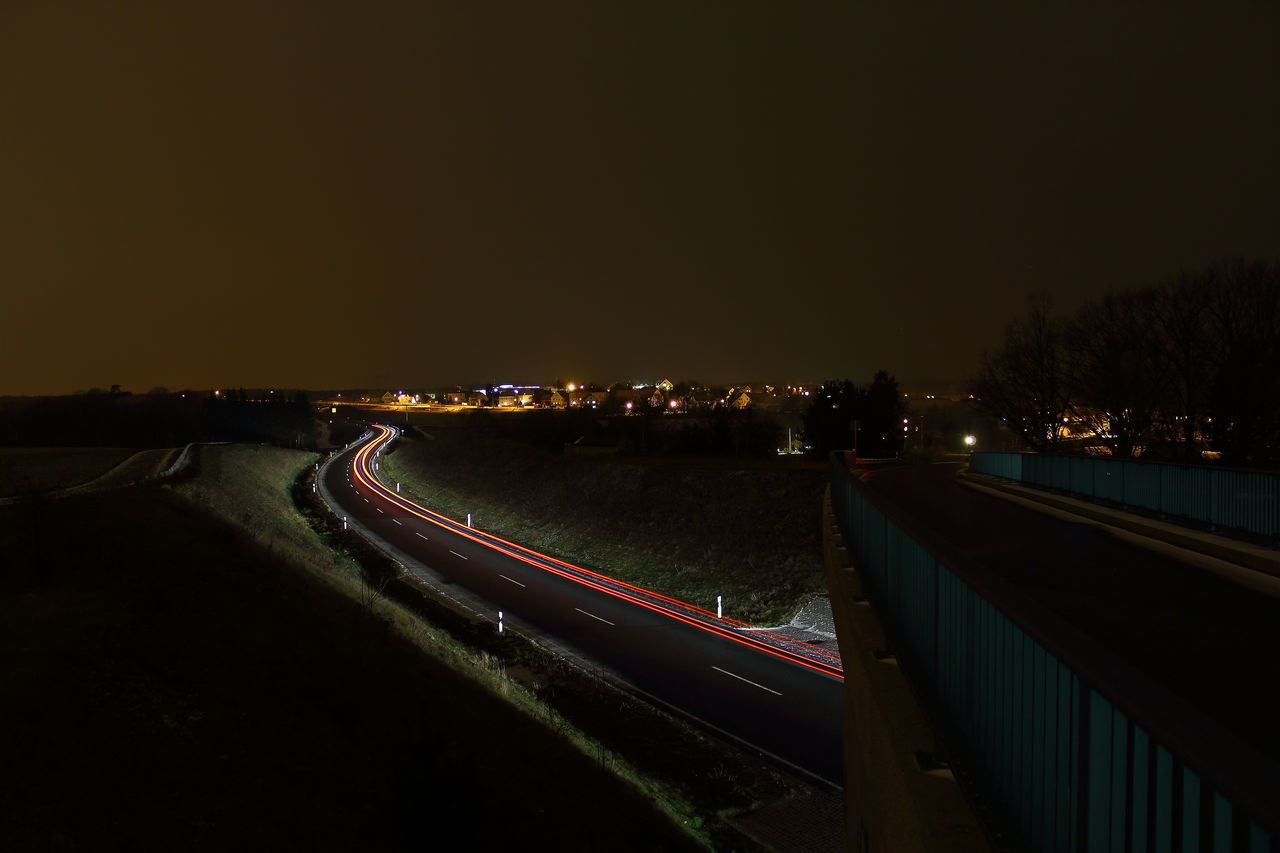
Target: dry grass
(248, 486)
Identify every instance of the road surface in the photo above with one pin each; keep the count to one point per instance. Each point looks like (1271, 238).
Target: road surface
(776, 694)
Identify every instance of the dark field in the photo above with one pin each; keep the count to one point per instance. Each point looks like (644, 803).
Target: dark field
(166, 683)
(27, 469)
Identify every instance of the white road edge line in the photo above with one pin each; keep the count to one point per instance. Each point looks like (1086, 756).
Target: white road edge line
(748, 680)
(456, 554)
(505, 578)
(593, 616)
(379, 509)
(419, 534)
(398, 521)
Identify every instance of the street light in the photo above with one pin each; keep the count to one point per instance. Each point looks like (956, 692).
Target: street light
(970, 441)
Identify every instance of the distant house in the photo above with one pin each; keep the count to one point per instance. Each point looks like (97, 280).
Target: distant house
(507, 398)
(665, 386)
(389, 398)
(456, 397)
(656, 399)
(552, 398)
(477, 398)
(741, 401)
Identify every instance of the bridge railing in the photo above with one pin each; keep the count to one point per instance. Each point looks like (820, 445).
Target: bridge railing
(1248, 501)
(1062, 746)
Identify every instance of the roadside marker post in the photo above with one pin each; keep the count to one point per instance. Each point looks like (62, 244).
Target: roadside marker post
(344, 522)
(499, 621)
(719, 607)
(468, 519)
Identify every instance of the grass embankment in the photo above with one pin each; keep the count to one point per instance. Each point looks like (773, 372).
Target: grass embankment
(138, 467)
(180, 683)
(691, 528)
(24, 470)
(248, 485)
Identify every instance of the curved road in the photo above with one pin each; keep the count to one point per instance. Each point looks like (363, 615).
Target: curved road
(777, 694)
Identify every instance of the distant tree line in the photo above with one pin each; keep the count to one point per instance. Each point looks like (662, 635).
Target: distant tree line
(1165, 371)
(157, 419)
(842, 413)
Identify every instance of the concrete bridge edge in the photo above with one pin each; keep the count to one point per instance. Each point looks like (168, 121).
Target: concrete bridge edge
(893, 800)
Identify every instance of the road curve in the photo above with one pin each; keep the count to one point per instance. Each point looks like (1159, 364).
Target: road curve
(779, 695)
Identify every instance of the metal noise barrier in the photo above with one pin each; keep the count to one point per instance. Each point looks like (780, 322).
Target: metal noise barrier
(1061, 746)
(1247, 501)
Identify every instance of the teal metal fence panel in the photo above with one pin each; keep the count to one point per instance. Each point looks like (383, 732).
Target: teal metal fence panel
(1060, 766)
(1247, 501)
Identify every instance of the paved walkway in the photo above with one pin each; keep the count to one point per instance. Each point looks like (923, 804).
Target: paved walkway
(1203, 635)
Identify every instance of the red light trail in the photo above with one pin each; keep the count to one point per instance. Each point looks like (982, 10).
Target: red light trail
(795, 651)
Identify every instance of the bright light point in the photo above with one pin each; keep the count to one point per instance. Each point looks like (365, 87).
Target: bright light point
(970, 440)
(572, 387)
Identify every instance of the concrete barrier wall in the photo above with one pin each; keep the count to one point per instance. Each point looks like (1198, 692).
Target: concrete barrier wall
(895, 798)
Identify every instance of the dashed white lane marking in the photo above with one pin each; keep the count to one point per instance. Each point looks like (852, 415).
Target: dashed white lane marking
(748, 680)
(398, 521)
(456, 554)
(379, 509)
(505, 578)
(593, 616)
(419, 534)
(366, 500)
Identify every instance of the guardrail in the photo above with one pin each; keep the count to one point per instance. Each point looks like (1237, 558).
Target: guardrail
(1248, 501)
(1062, 746)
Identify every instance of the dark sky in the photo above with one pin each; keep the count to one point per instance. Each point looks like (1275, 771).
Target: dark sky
(321, 195)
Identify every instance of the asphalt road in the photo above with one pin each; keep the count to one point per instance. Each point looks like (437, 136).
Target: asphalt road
(775, 694)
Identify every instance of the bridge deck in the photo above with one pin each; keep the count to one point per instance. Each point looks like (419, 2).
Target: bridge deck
(1207, 639)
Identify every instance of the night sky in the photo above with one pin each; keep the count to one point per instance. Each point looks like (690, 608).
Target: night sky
(405, 193)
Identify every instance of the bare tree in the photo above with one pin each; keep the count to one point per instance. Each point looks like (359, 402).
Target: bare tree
(1116, 368)
(1185, 341)
(1245, 399)
(1024, 381)
(1196, 357)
